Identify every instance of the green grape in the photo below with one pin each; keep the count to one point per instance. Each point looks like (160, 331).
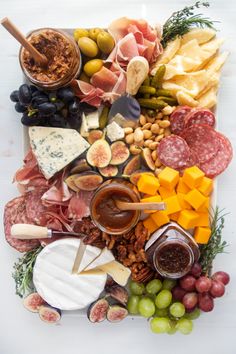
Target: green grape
(163, 299)
(168, 284)
(185, 326)
(193, 315)
(136, 288)
(160, 325)
(162, 312)
(154, 286)
(173, 328)
(146, 307)
(132, 304)
(177, 309)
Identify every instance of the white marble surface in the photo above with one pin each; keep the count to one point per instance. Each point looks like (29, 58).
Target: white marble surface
(23, 332)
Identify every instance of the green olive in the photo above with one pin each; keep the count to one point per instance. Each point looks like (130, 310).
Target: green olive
(93, 66)
(88, 47)
(84, 77)
(94, 32)
(80, 32)
(105, 42)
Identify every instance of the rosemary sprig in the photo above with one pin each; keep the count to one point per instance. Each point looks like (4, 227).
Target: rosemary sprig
(23, 272)
(180, 22)
(215, 244)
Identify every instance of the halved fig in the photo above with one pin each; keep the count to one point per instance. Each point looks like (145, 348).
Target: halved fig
(116, 313)
(71, 184)
(118, 293)
(94, 135)
(80, 166)
(33, 301)
(132, 165)
(134, 177)
(49, 314)
(147, 156)
(99, 154)
(120, 153)
(97, 311)
(109, 171)
(88, 181)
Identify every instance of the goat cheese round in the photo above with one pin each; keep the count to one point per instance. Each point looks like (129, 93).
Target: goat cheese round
(54, 281)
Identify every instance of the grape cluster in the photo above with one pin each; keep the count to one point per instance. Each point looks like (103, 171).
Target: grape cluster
(46, 108)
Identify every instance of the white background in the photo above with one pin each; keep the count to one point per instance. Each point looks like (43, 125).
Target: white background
(22, 331)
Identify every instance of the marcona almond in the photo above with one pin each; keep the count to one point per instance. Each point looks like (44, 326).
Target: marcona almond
(150, 120)
(167, 132)
(155, 128)
(160, 115)
(140, 143)
(147, 142)
(135, 150)
(128, 130)
(147, 126)
(168, 110)
(147, 134)
(154, 155)
(142, 119)
(138, 135)
(129, 139)
(164, 123)
(153, 145)
(161, 131)
(158, 162)
(159, 137)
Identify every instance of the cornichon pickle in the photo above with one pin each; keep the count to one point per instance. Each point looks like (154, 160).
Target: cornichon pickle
(162, 92)
(158, 77)
(170, 100)
(152, 103)
(103, 119)
(147, 89)
(146, 81)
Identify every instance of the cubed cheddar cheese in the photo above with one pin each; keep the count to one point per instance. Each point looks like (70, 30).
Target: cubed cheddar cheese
(175, 216)
(206, 186)
(195, 199)
(172, 205)
(203, 219)
(150, 224)
(148, 184)
(205, 207)
(187, 219)
(202, 235)
(183, 203)
(182, 187)
(166, 193)
(160, 218)
(168, 178)
(154, 199)
(193, 177)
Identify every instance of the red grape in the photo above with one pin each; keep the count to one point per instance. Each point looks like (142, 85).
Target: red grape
(188, 283)
(178, 293)
(196, 270)
(217, 288)
(205, 302)
(221, 276)
(203, 284)
(190, 300)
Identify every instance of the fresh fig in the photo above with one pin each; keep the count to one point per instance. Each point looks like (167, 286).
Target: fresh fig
(94, 135)
(71, 184)
(118, 293)
(49, 314)
(33, 301)
(146, 153)
(99, 154)
(134, 177)
(80, 166)
(88, 181)
(97, 311)
(109, 171)
(120, 153)
(116, 313)
(132, 165)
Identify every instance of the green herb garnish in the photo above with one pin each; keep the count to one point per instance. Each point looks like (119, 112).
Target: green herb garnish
(23, 272)
(180, 22)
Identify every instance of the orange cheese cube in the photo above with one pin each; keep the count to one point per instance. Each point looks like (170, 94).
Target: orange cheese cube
(150, 224)
(203, 219)
(202, 235)
(166, 193)
(160, 218)
(168, 178)
(187, 219)
(182, 201)
(148, 184)
(206, 186)
(174, 217)
(172, 205)
(195, 199)
(205, 207)
(193, 177)
(155, 199)
(182, 187)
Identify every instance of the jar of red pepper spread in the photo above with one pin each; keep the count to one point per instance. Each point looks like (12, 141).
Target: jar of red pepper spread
(171, 251)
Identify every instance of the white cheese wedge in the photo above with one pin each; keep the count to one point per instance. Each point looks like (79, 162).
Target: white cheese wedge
(92, 120)
(55, 282)
(115, 132)
(103, 258)
(84, 130)
(55, 148)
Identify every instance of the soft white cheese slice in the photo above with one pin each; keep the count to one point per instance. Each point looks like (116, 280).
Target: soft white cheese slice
(115, 132)
(55, 148)
(84, 130)
(103, 258)
(93, 120)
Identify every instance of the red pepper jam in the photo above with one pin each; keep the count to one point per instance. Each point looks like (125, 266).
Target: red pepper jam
(173, 258)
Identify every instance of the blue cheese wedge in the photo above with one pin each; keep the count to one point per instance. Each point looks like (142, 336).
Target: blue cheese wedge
(115, 132)
(55, 148)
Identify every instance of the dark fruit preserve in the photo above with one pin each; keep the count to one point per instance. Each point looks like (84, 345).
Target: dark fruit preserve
(173, 257)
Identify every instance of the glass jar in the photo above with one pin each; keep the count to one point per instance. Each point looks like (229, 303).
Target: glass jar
(63, 54)
(104, 212)
(171, 251)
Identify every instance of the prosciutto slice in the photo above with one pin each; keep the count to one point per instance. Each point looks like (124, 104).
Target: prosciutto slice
(79, 205)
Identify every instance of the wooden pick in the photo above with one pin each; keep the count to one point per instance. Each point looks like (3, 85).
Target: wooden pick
(139, 206)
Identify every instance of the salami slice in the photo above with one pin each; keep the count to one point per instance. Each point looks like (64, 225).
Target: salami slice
(34, 206)
(220, 162)
(173, 152)
(177, 119)
(202, 141)
(199, 116)
(14, 213)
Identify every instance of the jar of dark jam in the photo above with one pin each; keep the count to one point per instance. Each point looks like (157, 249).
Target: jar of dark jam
(171, 251)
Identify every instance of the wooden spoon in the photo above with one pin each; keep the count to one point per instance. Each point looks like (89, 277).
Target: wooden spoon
(140, 206)
(13, 30)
